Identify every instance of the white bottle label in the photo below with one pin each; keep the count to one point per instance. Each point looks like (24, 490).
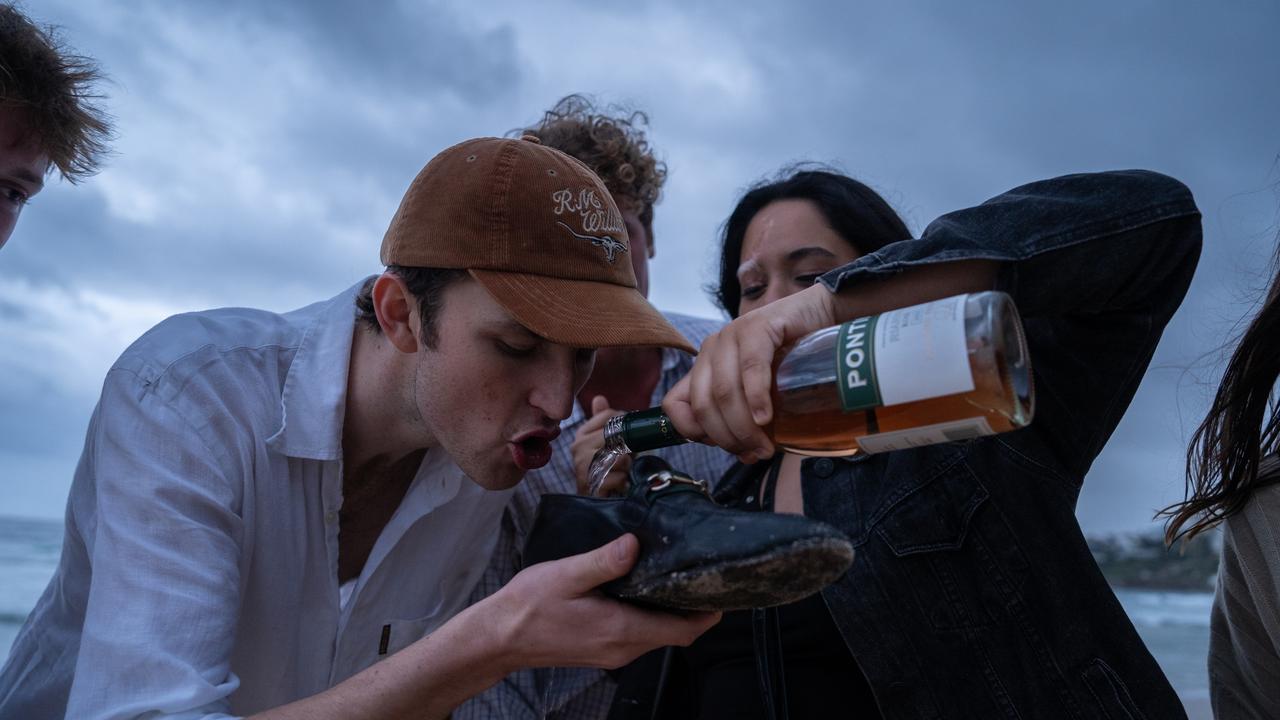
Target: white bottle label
(904, 355)
(966, 429)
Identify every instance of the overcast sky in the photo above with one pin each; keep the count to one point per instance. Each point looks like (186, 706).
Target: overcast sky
(264, 146)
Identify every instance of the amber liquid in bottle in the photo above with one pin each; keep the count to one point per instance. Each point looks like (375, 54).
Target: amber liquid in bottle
(809, 420)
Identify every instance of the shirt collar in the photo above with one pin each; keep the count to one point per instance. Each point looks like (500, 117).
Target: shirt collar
(315, 389)
(577, 416)
(438, 482)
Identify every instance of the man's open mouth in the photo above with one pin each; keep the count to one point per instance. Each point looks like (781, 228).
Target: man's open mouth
(532, 450)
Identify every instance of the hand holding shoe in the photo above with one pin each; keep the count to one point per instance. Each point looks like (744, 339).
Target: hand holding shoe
(553, 615)
(694, 554)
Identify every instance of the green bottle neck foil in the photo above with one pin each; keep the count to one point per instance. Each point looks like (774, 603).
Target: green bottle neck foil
(642, 430)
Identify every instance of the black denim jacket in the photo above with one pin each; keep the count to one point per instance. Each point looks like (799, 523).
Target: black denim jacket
(973, 593)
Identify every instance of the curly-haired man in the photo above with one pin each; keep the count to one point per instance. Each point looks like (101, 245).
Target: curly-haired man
(47, 115)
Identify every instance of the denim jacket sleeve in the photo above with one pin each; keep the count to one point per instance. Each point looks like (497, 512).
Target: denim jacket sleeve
(1097, 264)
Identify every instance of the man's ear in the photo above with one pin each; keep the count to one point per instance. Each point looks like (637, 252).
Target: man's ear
(397, 312)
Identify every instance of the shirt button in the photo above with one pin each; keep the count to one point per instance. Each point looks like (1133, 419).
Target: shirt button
(823, 467)
(331, 517)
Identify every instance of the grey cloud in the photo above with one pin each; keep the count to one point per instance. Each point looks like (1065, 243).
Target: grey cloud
(73, 242)
(411, 47)
(10, 311)
(936, 104)
(34, 417)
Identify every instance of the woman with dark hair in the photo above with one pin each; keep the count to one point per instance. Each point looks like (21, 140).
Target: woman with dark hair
(781, 237)
(1233, 479)
(854, 212)
(972, 593)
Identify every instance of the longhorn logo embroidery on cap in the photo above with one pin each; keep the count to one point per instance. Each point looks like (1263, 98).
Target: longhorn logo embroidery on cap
(610, 246)
(596, 218)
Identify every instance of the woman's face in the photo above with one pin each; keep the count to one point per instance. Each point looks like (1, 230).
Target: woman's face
(788, 244)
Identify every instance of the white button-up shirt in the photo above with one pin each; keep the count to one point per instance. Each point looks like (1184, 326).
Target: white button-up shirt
(198, 576)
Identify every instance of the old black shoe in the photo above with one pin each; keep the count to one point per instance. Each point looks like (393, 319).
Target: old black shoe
(694, 554)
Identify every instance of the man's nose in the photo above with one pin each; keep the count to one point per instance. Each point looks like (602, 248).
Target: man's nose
(552, 392)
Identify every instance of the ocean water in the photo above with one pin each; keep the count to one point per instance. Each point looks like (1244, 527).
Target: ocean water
(29, 551)
(1175, 625)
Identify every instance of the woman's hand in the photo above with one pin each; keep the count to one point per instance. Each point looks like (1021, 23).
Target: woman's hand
(589, 439)
(725, 399)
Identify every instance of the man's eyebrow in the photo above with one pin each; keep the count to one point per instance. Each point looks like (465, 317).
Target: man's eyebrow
(29, 177)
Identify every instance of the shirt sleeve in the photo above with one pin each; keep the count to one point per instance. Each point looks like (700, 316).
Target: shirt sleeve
(165, 553)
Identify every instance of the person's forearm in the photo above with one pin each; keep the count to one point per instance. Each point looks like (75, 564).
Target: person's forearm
(1077, 245)
(428, 679)
(912, 287)
(549, 615)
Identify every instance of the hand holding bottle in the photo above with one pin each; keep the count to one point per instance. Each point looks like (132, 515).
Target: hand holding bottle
(589, 439)
(725, 399)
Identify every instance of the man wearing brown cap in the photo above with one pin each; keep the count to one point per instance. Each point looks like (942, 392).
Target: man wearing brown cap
(269, 505)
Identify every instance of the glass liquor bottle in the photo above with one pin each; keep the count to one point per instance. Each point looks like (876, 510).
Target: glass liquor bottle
(951, 369)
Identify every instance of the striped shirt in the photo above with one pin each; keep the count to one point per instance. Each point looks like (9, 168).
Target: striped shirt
(576, 692)
(1244, 628)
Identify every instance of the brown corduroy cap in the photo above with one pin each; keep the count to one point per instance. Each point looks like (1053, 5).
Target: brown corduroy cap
(539, 231)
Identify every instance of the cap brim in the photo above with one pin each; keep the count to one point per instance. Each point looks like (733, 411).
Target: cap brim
(581, 313)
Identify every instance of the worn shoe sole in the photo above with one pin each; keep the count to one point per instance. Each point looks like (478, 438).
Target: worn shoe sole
(784, 574)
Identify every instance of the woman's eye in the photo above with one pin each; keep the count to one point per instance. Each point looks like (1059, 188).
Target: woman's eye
(752, 292)
(808, 278)
(515, 351)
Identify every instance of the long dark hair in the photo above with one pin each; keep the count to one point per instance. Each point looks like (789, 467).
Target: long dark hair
(1225, 460)
(856, 212)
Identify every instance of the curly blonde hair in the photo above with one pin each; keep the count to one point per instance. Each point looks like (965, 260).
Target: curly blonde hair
(53, 87)
(612, 143)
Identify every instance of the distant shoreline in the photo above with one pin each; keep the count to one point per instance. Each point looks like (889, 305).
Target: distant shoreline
(1156, 587)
